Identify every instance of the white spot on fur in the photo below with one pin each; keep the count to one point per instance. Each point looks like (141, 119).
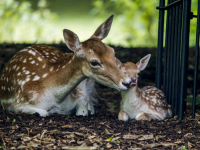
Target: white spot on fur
(40, 59)
(154, 100)
(27, 79)
(31, 52)
(32, 62)
(44, 66)
(44, 75)
(36, 78)
(51, 69)
(27, 72)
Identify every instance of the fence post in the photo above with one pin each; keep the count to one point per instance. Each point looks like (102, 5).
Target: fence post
(160, 45)
(184, 55)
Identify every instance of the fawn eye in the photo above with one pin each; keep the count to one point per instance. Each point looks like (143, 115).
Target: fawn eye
(95, 63)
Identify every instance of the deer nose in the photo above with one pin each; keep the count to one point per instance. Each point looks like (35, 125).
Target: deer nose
(126, 84)
(133, 80)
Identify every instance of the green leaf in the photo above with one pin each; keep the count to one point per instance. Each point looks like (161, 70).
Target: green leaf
(109, 139)
(118, 141)
(112, 106)
(190, 99)
(14, 120)
(183, 148)
(1, 146)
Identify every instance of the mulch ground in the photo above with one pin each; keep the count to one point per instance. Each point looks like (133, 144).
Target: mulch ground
(102, 130)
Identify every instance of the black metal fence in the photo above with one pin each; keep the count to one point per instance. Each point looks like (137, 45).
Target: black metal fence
(172, 59)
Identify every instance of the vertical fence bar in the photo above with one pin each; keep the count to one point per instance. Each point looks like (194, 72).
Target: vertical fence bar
(184, 54)
(171, 60)
(178, 48)
(174, 79)
(160, 45)
(167, 53)
(196, 61)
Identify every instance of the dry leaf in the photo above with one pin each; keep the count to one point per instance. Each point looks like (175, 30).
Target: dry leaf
(131, 137)
(108, 145)
(67, 126)
(146, 137)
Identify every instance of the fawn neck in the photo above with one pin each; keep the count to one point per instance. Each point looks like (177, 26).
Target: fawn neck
(133, 91)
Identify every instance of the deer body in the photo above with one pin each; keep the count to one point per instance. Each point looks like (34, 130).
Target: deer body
(142, 104)
(38, 79)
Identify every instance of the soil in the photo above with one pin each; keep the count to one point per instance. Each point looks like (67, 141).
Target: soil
(102, 130)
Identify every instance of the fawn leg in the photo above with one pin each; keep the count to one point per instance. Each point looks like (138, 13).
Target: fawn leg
(31, 110)
(123, 116)
(145, 116)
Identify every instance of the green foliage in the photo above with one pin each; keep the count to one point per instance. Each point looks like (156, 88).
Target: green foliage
(14, 120)
(137, 19)
(118, 141)
(113, 106)
(109, 139)
(1, 146)
(18, 16)
(183, 148)
(190, 99)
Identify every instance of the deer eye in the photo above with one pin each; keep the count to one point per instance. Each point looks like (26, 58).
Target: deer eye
(95, 63)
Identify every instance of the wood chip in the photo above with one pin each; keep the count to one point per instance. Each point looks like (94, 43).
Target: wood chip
(79, 147)
(108, 145)
(130, 137)
(146, 137)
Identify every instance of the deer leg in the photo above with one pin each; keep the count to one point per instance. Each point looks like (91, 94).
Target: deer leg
(146, 116)
(91, 108)
(31, 110)
(123, 116)
(82, 106)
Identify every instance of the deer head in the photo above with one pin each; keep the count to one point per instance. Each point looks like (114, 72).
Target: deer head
(98, 59)
(132, 70)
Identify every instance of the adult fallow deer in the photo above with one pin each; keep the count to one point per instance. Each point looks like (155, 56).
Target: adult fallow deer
(39, 78)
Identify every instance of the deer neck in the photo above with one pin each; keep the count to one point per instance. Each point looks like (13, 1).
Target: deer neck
(133, 93)
(67, 77)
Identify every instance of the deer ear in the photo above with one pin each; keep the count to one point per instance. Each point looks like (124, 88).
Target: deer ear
(118, 62)
(72, 42)
(103, 30)
(143, 62)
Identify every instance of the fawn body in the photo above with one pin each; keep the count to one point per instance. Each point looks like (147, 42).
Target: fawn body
(39, 78)
(142, 104)
(82, 99)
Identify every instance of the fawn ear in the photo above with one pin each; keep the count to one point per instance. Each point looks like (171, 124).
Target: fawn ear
(72, 42)
(118, 62)
(143, 62)
(103, 30)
